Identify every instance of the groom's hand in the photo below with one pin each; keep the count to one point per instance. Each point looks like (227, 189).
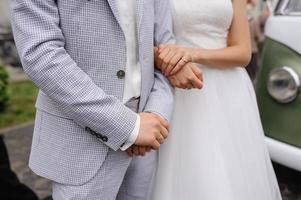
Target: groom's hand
(153, 130)
(138, 150)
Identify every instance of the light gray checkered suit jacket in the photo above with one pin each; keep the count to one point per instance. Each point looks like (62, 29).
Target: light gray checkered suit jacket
(75, 51)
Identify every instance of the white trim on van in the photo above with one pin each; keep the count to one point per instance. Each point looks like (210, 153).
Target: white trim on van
(284, 154)
(286, 30)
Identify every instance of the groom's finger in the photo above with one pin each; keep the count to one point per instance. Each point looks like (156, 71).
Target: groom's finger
(136, 150)
(164, 132)
(160, 139)
(148, 149)
(130, 152)
(142, 151)
(162, 121)
(156, 145)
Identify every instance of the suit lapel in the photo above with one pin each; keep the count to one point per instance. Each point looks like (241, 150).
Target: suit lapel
(139, 12)
(114, 9)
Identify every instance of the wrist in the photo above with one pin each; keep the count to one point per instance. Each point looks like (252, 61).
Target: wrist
(194, 55)
(199, 56)
(133, 136)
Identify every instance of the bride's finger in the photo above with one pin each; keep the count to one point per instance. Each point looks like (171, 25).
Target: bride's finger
(189, 86)
(186, 83)
(162, 47)
(173, 63)
(167, 59)
(180, 65)
(156, 57)
(161, 57)
(197, 83)
(174, 81)
(198, 72)
(156, 52)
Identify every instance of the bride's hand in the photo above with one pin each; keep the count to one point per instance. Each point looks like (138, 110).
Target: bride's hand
(191, 76)
(171, 58)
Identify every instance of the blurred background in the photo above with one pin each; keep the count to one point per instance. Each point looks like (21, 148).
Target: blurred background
(275, 70)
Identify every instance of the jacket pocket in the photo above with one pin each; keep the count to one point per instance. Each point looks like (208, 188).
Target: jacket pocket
(66, 153)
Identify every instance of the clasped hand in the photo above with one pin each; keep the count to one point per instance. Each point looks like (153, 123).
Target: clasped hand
(152, 133)
(177, 63)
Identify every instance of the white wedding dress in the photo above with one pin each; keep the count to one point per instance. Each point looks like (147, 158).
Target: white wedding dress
(216, 148)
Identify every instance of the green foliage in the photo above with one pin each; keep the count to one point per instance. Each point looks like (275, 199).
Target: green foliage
(4, 97)
(21, 107)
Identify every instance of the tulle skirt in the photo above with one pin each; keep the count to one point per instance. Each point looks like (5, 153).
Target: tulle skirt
(216, 148)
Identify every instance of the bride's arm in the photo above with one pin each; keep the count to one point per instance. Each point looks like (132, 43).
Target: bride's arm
(237, 52)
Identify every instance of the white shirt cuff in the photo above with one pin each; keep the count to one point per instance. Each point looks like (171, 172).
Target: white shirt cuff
(133, 137)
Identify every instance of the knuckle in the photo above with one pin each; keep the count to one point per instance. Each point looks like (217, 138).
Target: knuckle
(157, 123)
(165, 60)
(184, 83)
(173, 62)
(191, 78)
(161, 57)
(172, 79)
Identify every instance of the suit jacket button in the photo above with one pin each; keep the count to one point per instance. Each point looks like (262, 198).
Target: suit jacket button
(90, 131)
(121, 74)
(104, 138)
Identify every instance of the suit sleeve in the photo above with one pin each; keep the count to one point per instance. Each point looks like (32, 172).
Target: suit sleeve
(40, 43)
(161, 98)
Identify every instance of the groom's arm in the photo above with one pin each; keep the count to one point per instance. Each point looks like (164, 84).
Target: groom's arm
(41, 43)
(161, 98)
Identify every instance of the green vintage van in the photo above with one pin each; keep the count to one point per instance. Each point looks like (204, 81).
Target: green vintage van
(278, 86)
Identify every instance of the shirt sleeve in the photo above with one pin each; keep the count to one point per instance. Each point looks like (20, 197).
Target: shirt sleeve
(133, 136)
